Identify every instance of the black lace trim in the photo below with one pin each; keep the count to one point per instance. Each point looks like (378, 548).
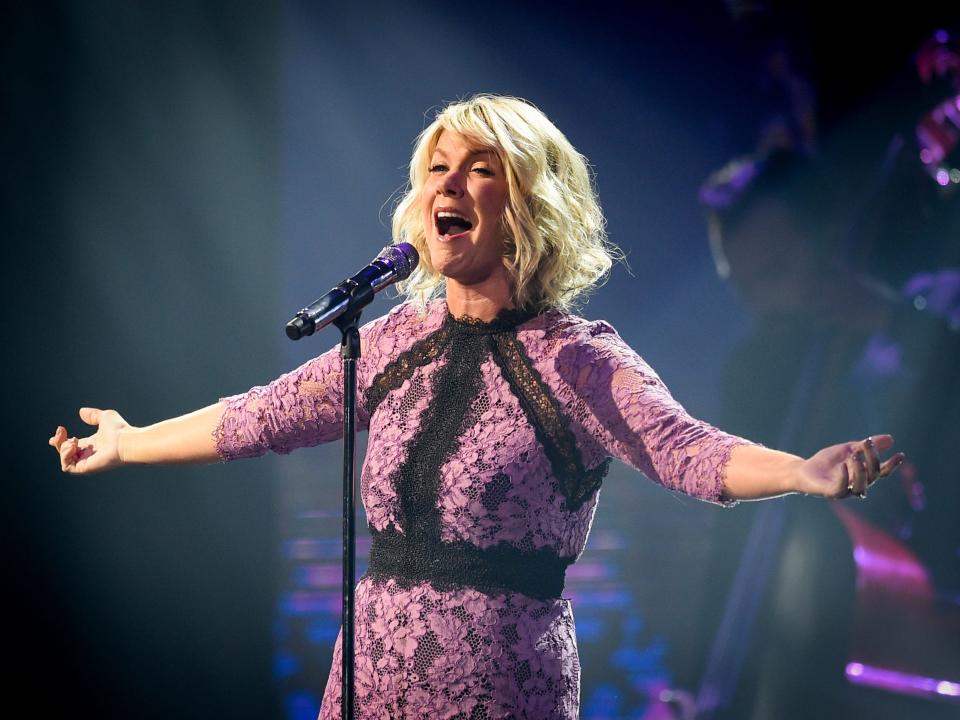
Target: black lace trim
(550, 424)
(456, 385)
(418, 554)
(446, 566)
(421, 353)
(507, 320)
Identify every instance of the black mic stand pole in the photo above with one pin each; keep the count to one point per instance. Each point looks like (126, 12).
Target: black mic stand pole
(350, 353)
(352, 296)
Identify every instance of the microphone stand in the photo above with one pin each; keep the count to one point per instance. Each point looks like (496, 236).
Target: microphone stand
(353, 295)
(350, 353)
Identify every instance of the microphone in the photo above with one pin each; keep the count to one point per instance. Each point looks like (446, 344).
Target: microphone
(394, 263)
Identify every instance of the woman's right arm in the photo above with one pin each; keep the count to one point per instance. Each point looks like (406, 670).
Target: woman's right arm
(186, 439)
(298, 409)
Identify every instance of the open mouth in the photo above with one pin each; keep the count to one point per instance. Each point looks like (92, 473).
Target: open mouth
(451, 223)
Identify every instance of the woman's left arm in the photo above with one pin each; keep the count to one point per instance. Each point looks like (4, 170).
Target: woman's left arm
(633, 416)
(755, 472)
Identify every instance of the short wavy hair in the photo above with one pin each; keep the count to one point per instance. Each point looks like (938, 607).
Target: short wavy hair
(556, 247)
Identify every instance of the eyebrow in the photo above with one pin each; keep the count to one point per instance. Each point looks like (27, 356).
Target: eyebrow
(482, 151)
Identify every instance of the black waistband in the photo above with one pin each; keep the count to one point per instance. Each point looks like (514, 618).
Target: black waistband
(501, 568)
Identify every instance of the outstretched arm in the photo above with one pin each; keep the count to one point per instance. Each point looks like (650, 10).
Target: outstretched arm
(638, 421)
(185, 439)
(298, 409)
(755, 472)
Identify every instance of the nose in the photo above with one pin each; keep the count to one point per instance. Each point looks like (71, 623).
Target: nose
(451, 185)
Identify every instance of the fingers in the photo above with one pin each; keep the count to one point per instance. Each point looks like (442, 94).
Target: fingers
(91, 416)
(863, 466)
(69, 449)
(58, 437)
(71, 453)
(892, 464)
(871, 460)
(856, 467)
(872, 447)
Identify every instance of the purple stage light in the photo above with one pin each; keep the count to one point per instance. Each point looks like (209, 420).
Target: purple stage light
(901, 682)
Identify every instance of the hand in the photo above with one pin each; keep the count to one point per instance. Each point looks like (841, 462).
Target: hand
(100, 451)
(847, 469)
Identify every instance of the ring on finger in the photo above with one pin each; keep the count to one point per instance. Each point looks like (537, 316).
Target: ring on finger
(858, 458)
(873, 471)
(862, 494)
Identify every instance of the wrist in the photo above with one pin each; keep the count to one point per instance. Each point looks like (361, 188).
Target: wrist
(755, 472)
(126, 445)
(793, 481)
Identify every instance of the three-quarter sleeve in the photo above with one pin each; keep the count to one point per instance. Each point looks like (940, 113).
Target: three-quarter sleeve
(298, 409)
(633, 416)
(304, 407)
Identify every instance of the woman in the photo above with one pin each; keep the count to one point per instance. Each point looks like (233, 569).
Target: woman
(492, 413)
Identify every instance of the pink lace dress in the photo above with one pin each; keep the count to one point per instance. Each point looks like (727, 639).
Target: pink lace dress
(488, 444)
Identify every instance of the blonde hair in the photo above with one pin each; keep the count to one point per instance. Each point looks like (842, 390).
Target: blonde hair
(556, 246)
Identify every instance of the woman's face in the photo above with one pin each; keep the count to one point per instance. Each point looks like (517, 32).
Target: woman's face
(462, 203)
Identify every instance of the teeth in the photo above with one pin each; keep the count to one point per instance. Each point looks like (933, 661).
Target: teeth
(447, 220)
(446, 214)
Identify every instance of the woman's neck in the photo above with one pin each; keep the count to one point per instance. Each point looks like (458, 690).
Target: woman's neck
(483, 302)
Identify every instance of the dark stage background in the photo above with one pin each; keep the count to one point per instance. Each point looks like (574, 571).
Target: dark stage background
(180, 177)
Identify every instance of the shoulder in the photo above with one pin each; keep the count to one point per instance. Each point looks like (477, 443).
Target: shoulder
(395, 332)
(575, 343)
(566, 326)
(559, 329)
(408, 318)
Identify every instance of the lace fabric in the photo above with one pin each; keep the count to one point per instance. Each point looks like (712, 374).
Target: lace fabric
(491, 438)
(411, 559)
(421, 652)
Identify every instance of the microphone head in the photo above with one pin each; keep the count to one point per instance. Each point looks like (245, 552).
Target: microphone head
(298, 328)
(402, 257)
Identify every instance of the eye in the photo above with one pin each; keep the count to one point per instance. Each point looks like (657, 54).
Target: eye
(483, 170)
(438, 168)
